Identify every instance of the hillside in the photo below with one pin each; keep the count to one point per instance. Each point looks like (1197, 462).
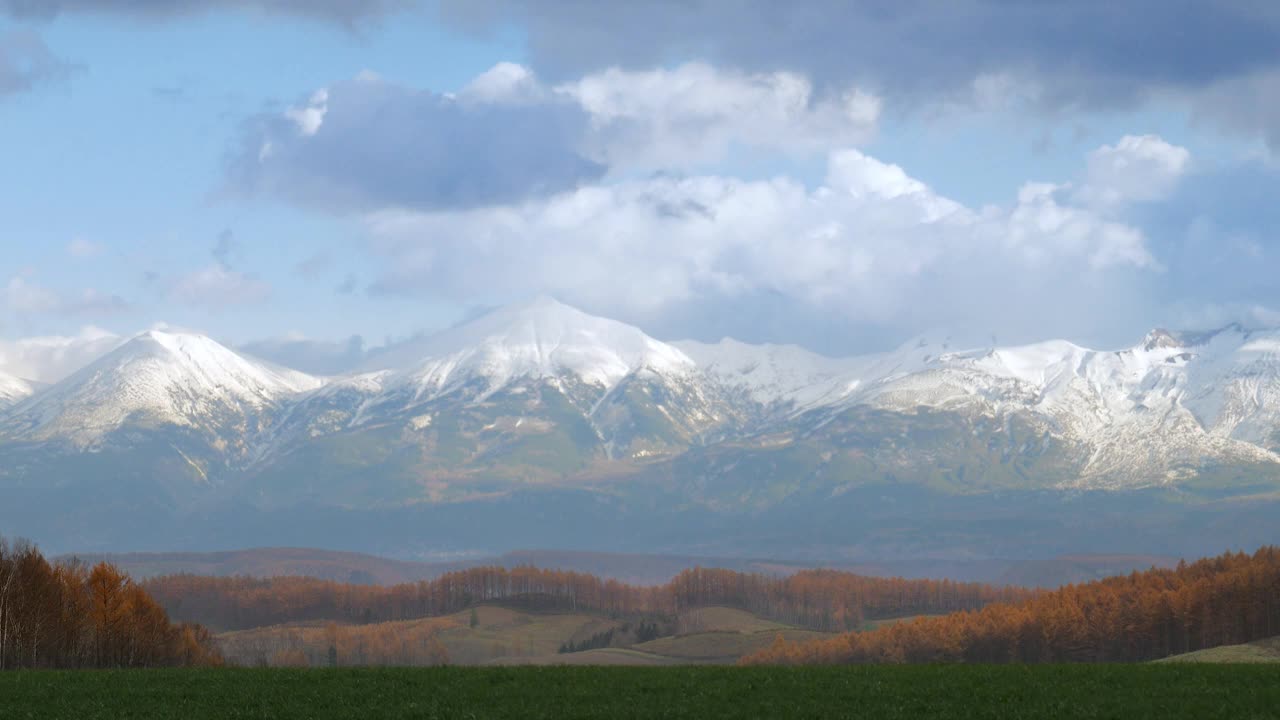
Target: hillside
(1214, 602)
(1258, 651)
(815, 599)
(360, 568)
(498, 635)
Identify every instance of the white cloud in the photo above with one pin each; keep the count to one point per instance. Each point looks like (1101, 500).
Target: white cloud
(368, 144)
(50, 358)
(217, 286)
(1138, 168)
(696, 114)
(505, 82)
(310, 117)
(873, 245)
(1043, 230)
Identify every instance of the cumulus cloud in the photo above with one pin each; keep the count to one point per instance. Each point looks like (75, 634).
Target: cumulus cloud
(695, 113)
(49, 359)
(505, 83)
(872, 245)
(368, 144)
(1216, 57)
(1138, 168)
(1079, 53)
(25, 61)
(310, 117)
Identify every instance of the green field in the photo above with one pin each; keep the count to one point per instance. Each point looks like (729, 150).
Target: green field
(1237, 692)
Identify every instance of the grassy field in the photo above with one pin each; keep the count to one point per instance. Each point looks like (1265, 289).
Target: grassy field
(503, 636)
(723, 619)
(602, 656)
(1234, 692)
(1262, 651)
(499, 633)
(722, 646)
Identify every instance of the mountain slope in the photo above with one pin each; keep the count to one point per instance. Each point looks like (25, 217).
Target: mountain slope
(543, 338)
(1133, 410)
(14, 390)
(158, 379)
(540, 397)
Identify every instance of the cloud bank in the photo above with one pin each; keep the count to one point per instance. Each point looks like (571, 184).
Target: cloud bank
(871, 246)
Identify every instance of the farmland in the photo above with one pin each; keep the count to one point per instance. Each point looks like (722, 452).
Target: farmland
(1013, 691)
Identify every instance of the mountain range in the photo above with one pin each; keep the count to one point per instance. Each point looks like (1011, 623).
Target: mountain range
(540, 421)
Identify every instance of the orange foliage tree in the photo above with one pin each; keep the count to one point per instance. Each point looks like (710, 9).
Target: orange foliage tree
(63, 615)
(1230, 599)
(818, 599)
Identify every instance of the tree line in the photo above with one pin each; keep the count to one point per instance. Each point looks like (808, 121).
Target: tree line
(1230, 599)
(400, 644)
(816, 599)
(66, 615)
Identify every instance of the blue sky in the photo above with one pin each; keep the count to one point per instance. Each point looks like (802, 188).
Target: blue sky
(274, 170)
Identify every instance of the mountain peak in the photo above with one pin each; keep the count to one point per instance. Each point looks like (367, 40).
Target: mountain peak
(1160, 338)
(169, 377)
(543, 310)
(541, 337)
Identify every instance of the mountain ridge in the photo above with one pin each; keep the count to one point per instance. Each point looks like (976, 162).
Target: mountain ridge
(540, 397)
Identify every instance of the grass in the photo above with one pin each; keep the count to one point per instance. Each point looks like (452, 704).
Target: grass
(600, 657)
(724, 619)
(500, 633)
(505, 636)
(722, 646)
(1237, 692)
(511, 633)
(1261, 651)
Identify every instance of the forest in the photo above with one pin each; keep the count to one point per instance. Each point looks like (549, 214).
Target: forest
(1233, 598)
(66, 615)
(69, 615)
(816, 599)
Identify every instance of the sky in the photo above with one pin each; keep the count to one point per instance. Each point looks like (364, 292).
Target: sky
(309, 179)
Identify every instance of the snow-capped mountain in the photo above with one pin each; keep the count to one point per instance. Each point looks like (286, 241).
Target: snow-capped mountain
(538, 376)
(541, 339)
(779, 377)
(158, 379)
(13, 390)
(1157, 411)
(542, 392)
